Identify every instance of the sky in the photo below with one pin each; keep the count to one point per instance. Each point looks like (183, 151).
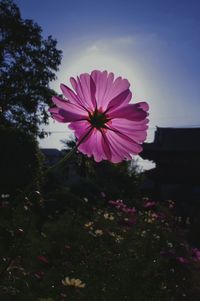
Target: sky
(154, 44)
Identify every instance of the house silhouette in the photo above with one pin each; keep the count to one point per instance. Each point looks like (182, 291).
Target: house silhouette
(176, 153)
(51, 155)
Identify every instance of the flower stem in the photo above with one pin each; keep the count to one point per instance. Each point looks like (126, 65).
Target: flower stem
(65, 158)
(70, 153)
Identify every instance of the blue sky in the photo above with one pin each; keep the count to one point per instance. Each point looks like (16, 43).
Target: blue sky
(155, 44)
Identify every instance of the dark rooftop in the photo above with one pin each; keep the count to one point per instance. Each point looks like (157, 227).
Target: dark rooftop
(51, 152)
(175, 139)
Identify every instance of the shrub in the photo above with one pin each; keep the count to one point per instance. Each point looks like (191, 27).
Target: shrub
(20, 160)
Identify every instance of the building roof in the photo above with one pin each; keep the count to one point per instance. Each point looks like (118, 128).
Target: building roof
(174, 139)
(51, 152)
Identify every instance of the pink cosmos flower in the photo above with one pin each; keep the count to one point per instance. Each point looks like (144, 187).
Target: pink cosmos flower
(105, 124)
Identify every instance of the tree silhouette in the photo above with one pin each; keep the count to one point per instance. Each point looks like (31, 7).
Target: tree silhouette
(27, 65)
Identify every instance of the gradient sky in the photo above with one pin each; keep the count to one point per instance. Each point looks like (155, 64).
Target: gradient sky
(155, 44)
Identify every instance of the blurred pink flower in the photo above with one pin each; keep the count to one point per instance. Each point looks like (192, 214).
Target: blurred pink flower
(39, 275)
(182, 259)
(117, 204)
(106, 125)
(124, 208)
(43, 259)
(103, 194)
(149, 204)
(129, 210)
(158, 216)
(196, 254)
(161, 216)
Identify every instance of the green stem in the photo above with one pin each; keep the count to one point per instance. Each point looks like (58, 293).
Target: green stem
(65, 158)
(70, 153)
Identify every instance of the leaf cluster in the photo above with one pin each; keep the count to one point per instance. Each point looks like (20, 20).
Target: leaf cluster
(28, 63)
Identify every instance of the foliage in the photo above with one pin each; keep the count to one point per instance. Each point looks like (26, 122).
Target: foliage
(27, 65)
(109, 251)
(116, 180)
(79, 241)
(20, 160)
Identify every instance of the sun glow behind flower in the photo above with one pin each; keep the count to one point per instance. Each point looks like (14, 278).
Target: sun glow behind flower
(105, 55)
(156, 48)
(114, 55)
(99, 55)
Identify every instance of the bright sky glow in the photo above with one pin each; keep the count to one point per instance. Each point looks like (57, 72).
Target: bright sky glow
(101, 57)
(154, 44)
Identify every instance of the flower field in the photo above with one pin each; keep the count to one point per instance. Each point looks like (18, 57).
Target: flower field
(94, 250)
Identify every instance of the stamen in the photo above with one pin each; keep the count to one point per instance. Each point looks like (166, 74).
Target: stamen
(98, 119)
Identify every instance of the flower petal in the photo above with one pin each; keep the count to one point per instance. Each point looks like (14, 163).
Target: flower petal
(86, 90)
(56, 115)
(80, 128)
(106, 145)
(143, 105)
(103, 82)
(106, 88)
(89, 89)
(135, 130)
(120, 85)
(121, 146)
(133, 112)
(94, 146)
(67, 111)
(68, 106)
(70, 95)
(122, 98)
(118, 155)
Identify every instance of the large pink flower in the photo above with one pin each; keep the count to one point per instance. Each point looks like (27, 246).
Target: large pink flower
(106, 125)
